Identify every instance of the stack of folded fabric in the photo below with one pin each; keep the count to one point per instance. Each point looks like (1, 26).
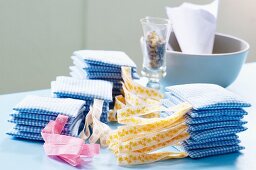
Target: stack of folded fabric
(87, 90)
(33, 113)
(101, 65)
(215, 120)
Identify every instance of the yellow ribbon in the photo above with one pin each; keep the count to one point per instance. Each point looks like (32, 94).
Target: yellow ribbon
(144, 132)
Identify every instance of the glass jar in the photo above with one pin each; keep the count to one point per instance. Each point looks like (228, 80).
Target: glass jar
(154, 44)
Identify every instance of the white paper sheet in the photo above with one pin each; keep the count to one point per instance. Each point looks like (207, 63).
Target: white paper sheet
(194, 26)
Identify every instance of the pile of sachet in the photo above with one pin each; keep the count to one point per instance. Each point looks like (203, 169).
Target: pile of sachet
(215, 120)
(70, 96)
(33, 113)
(83, 89)
(101, 65)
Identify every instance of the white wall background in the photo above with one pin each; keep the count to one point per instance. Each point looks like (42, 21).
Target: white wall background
(37, 37)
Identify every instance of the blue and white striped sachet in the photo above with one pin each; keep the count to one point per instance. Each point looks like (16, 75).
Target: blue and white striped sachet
(51, 106)
(198, 120)
(33, 116)
(217, 112)
(217, 132)
(35, 129)
(210, 140)
(90, 67)
(26, 135)
(211, 144)
(86, 89)
(99, 73)
(206, 96)
(213, 125)
(28, 122)
(107, 58)
(200, 153)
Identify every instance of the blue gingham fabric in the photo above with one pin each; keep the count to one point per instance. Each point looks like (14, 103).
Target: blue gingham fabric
(200, 135)
(92, 67)
(101, 69)
(36, 129)
(26, 128)
(111, 58)
(211, 140)
(222, 143)
(33, 113)
(28, 122)
(33, 116)
(105, 109)
(99, 73)
(37, 123)
(51, 106)
(86, 89)
(212, 125)
(206, 96)
(26, 135)
(200, 153)
(209, 119)
(102, 65)
(214, 121)
(217, 112)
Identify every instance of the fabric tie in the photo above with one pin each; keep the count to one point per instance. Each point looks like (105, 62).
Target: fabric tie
(69, 149)
(144, 132)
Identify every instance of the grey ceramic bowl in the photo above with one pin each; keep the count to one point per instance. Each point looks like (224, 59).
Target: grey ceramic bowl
(222, 67)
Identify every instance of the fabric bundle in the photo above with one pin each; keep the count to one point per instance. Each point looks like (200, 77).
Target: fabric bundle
(214, 121)
(101, 65)
(33, 113)
(87, 90)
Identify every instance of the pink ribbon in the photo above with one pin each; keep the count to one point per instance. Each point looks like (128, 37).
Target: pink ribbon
(68, 148)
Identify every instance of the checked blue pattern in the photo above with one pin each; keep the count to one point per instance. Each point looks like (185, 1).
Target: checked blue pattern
(97, 75)
(190, 120)
(99, 68)
(200, 153)
(213, 125)
(206, 96)
(28, 122)
(106, 58)
(200, 135)
(34, 116)
(35, 123)
(213, 122)
(50, 106)
(77, 96)
(82, 89)
(92, 68)
(26, 135)
(217, 112)
(36, 129)
(222, 143)
(210, 140)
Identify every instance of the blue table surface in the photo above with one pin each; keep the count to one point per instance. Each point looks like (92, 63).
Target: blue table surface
(26, 155)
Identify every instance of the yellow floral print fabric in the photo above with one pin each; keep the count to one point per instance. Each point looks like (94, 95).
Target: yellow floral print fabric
(143, 132)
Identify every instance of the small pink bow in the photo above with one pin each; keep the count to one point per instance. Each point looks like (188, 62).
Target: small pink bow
(68, 148)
